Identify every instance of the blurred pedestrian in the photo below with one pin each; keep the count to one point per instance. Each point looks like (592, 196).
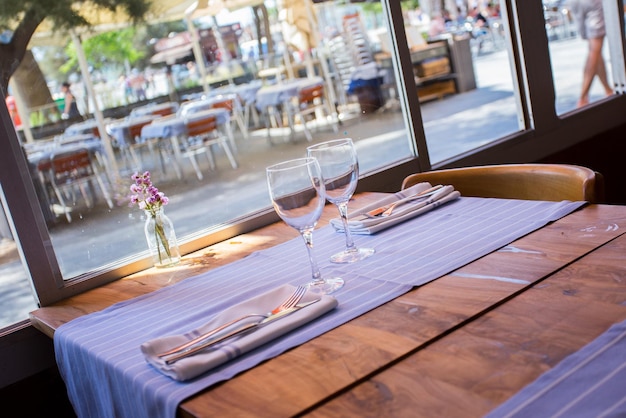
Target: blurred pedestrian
(12, 106)
(589, 17)
(70, 108)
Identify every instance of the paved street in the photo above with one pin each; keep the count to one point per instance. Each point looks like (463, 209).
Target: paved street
(454, 124)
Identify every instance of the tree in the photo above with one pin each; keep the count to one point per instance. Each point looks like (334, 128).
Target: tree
(109, 48)
(22, 18)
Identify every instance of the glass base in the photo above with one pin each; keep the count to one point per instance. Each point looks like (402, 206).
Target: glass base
(352, 256)
(326, 286)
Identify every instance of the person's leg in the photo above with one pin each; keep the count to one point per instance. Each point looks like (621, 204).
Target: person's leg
(594, 56)
(601, 73)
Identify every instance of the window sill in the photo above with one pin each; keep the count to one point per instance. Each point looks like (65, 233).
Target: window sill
(49, 318)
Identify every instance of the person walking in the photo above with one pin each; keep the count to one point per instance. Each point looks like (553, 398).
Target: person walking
(70, 108)
(589, 17)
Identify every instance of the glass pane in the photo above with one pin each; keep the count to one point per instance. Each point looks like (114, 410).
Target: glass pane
(16, 296)
(576, 31)
(462, 71)
(208, 108)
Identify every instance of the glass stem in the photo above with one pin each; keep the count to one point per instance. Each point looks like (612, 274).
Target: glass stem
(307, 234)
(343, 212)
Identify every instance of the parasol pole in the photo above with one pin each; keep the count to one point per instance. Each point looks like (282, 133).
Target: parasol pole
(104, 137)
(195, 43)
(321, 55)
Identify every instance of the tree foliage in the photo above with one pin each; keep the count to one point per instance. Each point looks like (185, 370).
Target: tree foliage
(109, 48)
(22, 18)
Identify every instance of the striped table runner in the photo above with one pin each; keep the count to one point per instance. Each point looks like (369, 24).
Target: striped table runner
(565, 390)
(107, 376)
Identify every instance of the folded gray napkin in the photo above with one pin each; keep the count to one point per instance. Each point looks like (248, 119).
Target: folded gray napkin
(209, 358)
(362, 225)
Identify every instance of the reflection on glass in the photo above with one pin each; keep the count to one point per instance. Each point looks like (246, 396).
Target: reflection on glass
(578, 52)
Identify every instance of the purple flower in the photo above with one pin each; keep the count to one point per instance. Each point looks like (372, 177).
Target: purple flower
(145, 195)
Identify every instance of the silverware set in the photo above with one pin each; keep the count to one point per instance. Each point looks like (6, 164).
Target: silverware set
(212, 337)
(388, 209)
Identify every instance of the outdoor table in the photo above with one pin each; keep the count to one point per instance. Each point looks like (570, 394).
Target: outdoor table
(459, 345)
(155, 109)
(122, 129)
(89, 126)
(65, 143)
(201, 105)
(235, 107)
(173, 127)
(246, 91)
(280, 93)
(39, 154)
(270, 98)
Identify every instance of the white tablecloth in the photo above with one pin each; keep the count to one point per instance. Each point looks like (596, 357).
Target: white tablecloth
(173, 126)
(277, 94)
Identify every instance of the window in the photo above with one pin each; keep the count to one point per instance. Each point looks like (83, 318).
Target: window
(481, 97)
(573, 37)
(15, 289)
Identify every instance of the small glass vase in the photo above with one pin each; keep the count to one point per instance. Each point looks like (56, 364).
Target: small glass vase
(161, 239)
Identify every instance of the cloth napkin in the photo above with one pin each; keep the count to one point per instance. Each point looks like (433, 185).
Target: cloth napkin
(194, 365)
(362, 225)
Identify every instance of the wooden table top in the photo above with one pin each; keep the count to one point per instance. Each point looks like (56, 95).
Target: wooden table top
(457, 346)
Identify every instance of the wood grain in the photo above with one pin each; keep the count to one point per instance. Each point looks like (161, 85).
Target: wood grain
(307, 377)
(481, 365)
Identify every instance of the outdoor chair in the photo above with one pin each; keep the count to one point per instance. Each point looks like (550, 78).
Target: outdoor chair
(202, 134)
(312, 101)
(67, 171)
(134, 145)
(233, 104)
(551, 182)
(170, 110)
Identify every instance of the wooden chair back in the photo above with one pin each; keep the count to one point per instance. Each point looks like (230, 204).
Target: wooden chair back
(134, 130)
(308, 94)
(227, 104)
(71, 166)
(163, 112)
(552, 182)
(201, 126)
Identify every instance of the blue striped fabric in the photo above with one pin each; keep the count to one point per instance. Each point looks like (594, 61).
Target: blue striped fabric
(107, 376)
(565, 391)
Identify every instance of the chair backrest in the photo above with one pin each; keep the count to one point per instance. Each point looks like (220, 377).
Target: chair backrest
(227, 103)
(201, 126)
(72, 165)
(307, 95)
(552, 182)
(134, 130)
(164, 111)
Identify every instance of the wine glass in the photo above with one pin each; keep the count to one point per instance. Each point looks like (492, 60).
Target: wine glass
(340, 170)
(297, 193)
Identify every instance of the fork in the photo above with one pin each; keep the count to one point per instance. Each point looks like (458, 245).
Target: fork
(291, 301)
(387, 209)
(425, 193)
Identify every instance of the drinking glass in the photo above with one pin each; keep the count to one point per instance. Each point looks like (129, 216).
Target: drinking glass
(340, 170)
(297, 193)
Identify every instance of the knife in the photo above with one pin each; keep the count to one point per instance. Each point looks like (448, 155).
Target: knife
(244, 329)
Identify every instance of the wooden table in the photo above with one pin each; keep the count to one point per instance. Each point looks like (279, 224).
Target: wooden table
(457, 346)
